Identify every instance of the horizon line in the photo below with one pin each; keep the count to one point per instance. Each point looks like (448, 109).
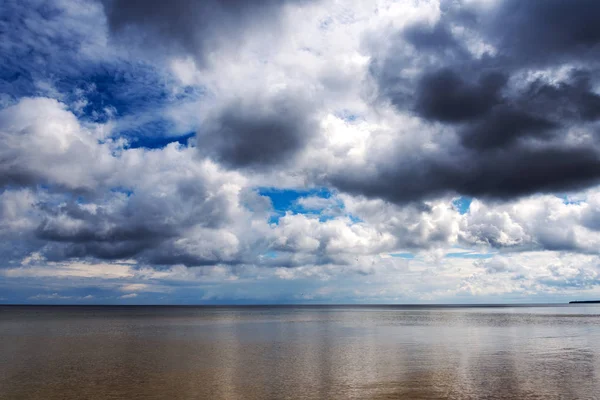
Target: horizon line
(303, 304)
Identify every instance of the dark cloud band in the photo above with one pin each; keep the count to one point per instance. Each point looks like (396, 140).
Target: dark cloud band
(513, 132)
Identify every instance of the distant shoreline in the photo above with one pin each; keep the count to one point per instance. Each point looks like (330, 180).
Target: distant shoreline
(585, 302)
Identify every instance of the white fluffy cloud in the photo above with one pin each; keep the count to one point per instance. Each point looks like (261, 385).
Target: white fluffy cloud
(538, 222)
(43, 143)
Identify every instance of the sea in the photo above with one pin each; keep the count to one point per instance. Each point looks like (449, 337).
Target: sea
(300, 352)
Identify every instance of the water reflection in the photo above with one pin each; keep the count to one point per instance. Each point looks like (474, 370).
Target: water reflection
(298, 353)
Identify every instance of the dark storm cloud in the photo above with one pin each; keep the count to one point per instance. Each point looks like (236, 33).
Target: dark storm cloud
(445, 96)
(510, 132)
(257, 135)
(573, 99)
(11, 176)
(503, 126)
(79, 232)
(168, 255)
(190, 26)
(501, 173)
(546, 31)
(141, 227)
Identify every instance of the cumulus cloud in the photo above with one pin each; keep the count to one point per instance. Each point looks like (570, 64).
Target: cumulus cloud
(417, 226)
(538, 222)
(43, 143)
(510, 128)
(299, 150)
(107, 202)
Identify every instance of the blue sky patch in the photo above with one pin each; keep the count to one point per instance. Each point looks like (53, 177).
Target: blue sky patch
(348, 116)
(270, 254)
(126, 191)
(566, 200)
(406, 256)
(462, 204)
(469, 254)
(159, 142)
(287, 200)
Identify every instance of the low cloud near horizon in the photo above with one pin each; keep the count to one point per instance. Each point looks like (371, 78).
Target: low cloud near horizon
(299, 151)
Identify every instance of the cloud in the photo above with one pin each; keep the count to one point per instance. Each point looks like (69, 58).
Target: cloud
(43, 143)
(502, 174)
(53, 296)
(260, 134)
(539, 222)
(105, 201)
(508, 124)
(47, 42)
(197, 28)
(162, 217)
(538, 33)
(138, 287)
(444, 96)
(291, 151)
(70, 270)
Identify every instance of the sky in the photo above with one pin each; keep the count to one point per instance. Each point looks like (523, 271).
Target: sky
(299, 151)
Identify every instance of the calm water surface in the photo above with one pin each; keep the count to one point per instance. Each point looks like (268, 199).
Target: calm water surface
(299, 352)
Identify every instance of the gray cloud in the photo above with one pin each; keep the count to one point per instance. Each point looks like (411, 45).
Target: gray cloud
(101, 234)
(258, 135)
(445, 96)
(503, 126)
(502, 173)
(140, 224)
(545, 32)
(189, 26)
(505, 134)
